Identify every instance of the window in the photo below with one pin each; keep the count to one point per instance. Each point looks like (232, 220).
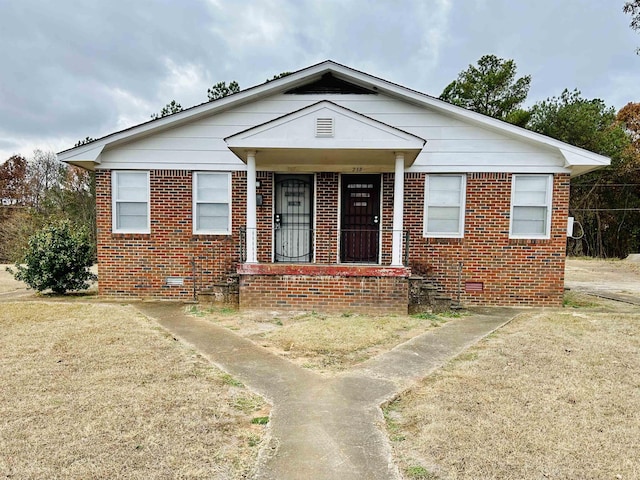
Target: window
(130, 202)
(531, 206)
(444, 205)
(212, 203)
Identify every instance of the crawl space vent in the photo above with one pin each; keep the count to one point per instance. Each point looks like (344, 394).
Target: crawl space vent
(324, 127)
(174, 281)
(474, 286)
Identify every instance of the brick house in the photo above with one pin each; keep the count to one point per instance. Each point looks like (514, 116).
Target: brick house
(331, 189)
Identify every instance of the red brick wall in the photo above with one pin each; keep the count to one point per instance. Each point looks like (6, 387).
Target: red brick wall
(387, 217)
(264, 217)
(138, 264)
(513, 272)
(382, 295)
(327, 208)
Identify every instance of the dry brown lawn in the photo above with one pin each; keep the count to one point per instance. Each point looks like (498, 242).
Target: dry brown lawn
(326, 343)
(553, 395)
(100, 391)
(7, 282)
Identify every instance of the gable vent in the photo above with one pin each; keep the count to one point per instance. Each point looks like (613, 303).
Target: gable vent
(324, 127)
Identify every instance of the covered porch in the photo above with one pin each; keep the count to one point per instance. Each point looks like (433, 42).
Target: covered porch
(324, 212)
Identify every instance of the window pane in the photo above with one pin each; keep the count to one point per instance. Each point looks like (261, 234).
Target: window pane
(444, 197)
(444, 182)
(131, 216)
(443, 219)
(530, 190)
(212, 187)
(212, 217)
(131, 186)
(444, 190)
(529, 220)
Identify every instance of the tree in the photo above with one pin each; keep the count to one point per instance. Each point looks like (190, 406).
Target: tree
(84, 142)
(629, 115)
(491, 88)
(45, 172)
(47, 190)
(633, 9)
(169, 109)
(13, 180)
(276, 77)
(58, 257)
(220, 90)
(602, 201)
(585, 123)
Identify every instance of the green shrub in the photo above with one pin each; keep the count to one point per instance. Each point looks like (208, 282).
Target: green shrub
(57, 257)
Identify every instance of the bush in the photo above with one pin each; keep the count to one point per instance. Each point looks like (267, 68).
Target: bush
(58, 257)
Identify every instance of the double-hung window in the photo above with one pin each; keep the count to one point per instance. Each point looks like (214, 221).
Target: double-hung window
(212, 203)
(444, 205)
(130, 202)
(531, 206)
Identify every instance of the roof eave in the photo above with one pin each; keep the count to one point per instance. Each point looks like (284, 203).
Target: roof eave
(589, 159)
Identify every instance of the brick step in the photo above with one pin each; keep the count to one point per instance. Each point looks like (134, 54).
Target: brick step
(424, 296)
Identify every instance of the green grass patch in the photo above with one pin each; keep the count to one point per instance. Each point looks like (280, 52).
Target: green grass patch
(200, 311)
(577, 300)
(418, 472)
(229, 380)
(260, 420)
(246, 404)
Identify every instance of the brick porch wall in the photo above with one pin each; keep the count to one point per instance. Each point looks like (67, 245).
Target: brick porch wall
(324, 288)
(513, 272)
(138, 264)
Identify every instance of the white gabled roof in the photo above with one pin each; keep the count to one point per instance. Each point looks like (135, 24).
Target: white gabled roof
(577, 159)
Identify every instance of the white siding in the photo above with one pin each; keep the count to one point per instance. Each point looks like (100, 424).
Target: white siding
(452, 145)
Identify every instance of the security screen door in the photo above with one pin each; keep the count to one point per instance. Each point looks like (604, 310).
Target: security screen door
(293, 218)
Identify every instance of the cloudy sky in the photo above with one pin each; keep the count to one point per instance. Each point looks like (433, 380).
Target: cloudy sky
(71, 69)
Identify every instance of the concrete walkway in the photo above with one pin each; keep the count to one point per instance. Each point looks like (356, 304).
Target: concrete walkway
(327, 427)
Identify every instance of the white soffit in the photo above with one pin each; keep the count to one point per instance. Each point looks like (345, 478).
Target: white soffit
(86, 157)
(323, 127)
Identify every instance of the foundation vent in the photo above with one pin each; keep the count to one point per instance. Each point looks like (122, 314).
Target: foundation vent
(174, 281)
(324, 127)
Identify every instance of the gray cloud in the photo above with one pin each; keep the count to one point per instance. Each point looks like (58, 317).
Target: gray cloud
(72, 69)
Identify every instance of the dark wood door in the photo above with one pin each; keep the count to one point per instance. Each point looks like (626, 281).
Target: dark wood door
(360, 223)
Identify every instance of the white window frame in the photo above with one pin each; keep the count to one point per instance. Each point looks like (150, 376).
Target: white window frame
(461, 206)
(115, 200)
(548, 205)
(194, 208)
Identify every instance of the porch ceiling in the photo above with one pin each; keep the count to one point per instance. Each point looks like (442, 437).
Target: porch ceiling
(326, 160)
(325, 137)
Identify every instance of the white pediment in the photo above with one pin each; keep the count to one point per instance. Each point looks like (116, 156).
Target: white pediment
(325, 136)
(325, 126)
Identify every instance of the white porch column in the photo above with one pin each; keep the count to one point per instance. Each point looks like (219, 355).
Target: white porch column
(252, 237)
(398, 211)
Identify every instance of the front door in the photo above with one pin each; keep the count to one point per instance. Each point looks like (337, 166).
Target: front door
(360, 222)
(293, 218)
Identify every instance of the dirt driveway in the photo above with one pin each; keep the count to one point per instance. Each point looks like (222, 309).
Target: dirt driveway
(614, 278)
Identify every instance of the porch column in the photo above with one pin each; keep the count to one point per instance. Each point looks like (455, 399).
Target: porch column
(398, 211)
(252, 247)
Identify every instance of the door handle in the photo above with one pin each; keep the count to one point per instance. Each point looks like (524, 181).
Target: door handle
(375, 219)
